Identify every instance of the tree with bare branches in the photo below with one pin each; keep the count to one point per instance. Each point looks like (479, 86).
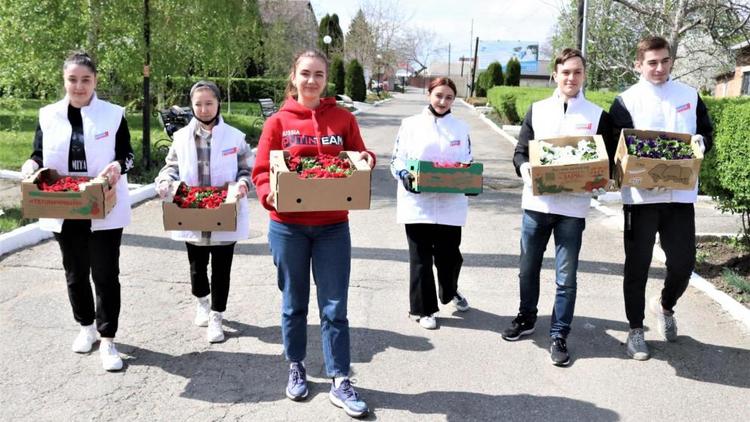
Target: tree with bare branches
(701, 30)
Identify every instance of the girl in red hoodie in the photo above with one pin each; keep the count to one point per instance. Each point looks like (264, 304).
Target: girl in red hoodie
(308, 125)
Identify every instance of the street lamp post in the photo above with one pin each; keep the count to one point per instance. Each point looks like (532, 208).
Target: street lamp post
(327, 40)
(380, 75)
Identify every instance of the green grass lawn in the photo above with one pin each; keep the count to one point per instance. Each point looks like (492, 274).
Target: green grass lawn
(11, 219)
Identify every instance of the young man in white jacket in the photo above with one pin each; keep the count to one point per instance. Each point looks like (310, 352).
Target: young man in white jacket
(565, 113)
(658, 103)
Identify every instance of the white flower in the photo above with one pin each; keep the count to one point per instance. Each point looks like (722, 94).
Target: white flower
(551, 154)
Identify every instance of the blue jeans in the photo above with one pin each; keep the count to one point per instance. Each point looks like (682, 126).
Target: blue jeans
(536, 229)
(329, 248)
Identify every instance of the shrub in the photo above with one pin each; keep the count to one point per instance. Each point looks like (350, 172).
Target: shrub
(338, 75)
(513, 72)
(482, 82)
(709, 177)
(355, 81)
(508, 108)
(732, 162)
(495, 74)
(242, 89)
(526, 95)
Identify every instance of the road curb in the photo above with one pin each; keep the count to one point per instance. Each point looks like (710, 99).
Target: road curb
(31, 234)
(737, 310)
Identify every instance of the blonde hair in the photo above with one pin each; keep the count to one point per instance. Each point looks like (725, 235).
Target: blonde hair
(291, 90)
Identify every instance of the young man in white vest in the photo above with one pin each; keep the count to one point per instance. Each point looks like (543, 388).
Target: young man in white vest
(658, 103)
(565, 113)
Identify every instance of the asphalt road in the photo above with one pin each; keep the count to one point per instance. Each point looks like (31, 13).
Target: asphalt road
(462, 371)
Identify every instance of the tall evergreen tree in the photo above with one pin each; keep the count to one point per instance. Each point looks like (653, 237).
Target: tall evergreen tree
(338, 75)
(355, 81)
(495, 71)
(513, 72)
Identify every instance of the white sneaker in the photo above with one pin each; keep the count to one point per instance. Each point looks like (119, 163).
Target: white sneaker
(666, 323)
(460, 302)
(202, 308)
(215, 333)
(428, 322)
(85, 339)
(111, 360)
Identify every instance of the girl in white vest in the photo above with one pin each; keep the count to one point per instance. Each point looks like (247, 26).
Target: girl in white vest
(209, 152)
(433, 220)
(658, 103)
(565, 113)
(82, 135)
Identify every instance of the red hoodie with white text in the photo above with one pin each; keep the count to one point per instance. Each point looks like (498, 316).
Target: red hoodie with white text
(299, 130)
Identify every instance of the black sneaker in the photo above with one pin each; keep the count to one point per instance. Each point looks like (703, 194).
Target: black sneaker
(520, 327)
(558, 352)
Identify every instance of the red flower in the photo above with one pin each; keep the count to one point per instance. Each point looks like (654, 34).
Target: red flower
(199, 197)
(323, 166)
(63, 184)
(448, 164)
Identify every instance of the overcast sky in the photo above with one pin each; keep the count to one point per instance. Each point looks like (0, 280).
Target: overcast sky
(527, 20)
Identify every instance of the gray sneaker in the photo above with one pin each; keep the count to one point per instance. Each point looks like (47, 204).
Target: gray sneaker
(665, 321)
(637, 347)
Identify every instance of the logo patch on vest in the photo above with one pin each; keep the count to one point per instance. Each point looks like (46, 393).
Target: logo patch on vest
(456, 143)
(683, 107)
(101, 135)
(586, 126)
(229, 151)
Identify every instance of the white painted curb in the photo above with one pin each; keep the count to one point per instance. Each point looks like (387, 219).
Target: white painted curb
(31, 234)
(734, 308)
(503, 134)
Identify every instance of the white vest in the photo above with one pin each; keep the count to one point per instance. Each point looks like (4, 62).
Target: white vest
(671, 107)
(100, 123)
(226, 143)
(549, 119)
(428, 138)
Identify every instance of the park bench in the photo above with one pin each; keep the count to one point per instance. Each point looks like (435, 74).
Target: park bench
(267, 107)
(172, 119)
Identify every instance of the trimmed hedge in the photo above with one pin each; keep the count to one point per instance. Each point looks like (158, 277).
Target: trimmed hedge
(246, 89)
(725, 171)
(525, 96)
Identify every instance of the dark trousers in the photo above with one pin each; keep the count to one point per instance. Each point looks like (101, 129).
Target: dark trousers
(428, 242)
(97, 253)
(221, 267)
(675, 224)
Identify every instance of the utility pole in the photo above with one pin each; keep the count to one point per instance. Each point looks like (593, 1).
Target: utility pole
(474, 68)
(584, 31)
(449, 60)
(146, 94)
(579, 25)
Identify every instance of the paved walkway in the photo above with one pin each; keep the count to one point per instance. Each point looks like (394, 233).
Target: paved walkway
(462, 371)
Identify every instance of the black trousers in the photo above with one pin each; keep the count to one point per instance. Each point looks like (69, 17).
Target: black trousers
(428, 242)
(221, 268)
(675, 224)
(97, 253)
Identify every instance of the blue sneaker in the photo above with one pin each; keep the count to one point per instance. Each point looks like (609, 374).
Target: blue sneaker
(346, 398)
(296, 387)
